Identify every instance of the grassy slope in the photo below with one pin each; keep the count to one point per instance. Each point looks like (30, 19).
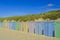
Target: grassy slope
(17, 35)
(52, 15)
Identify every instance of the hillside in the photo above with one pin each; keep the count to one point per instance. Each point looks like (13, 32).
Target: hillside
(52, 15)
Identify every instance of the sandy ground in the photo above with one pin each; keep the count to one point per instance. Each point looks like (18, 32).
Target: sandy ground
(18, 35)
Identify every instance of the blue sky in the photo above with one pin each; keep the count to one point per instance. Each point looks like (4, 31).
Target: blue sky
(25, 7)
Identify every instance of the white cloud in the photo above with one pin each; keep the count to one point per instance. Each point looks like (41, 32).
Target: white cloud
(50, 4)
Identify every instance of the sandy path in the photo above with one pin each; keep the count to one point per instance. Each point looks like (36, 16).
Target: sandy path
(18, 35)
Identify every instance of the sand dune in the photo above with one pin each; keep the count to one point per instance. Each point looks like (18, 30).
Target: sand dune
(18, 35)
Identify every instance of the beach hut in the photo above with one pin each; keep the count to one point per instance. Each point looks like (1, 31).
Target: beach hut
(45, 28)
(12, 25)
(5, 24)
(57, 29)
(26, 27)
(51, 29)
(17, 25)
(1, 24)
(22, 26)
(31, 27)
(38, 27)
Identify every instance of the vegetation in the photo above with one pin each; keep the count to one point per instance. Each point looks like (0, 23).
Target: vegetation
(52, 15)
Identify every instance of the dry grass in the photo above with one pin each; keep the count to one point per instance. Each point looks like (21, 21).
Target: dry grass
(18, 35)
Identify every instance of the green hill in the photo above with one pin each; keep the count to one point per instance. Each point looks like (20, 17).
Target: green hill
(52, 15)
